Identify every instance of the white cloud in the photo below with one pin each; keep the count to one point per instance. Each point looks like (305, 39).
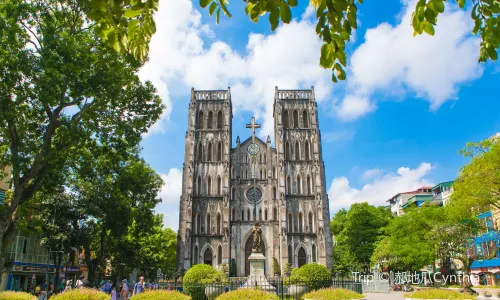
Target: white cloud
(391, 60)
(342, 195)
(371, 174)
(184, 53)
(170, 195)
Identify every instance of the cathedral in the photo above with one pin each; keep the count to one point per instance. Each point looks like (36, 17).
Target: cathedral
(284, 188)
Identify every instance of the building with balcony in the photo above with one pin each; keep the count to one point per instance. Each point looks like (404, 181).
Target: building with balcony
(442, 192)
(397, 202)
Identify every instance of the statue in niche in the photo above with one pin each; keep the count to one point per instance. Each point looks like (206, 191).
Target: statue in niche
(257, 238)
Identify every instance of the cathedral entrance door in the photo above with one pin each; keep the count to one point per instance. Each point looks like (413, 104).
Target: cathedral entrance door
(301, 257)
(207, 257)
(248, 251)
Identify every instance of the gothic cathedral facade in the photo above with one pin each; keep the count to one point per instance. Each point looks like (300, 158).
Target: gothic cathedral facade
(217, 202)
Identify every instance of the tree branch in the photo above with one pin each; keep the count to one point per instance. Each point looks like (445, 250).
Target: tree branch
(34, 35)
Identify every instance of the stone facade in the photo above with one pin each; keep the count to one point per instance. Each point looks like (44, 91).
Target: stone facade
(292, 203)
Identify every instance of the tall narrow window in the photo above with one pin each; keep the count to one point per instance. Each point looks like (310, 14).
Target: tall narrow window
(233, 173)
(275, 214)
(290, 255)
(198, 187)
(307, 150)
(200, 120)
(233, 215)
(274, 193)
(299, 185)
(314, 253)
(198, 223)
(219, 120)
(288, 186)
(285, 119)
(195, 255)
(297, 151)
(219, 186)
(305, 119)
(219, 256)
(210, 120)
(274, 173)
(290, 223)
(209, 186)
(232, 193)
(300, 222)
(200, 152)
(265, 214)
(219, 152)
(242, 215)
(209, 152)
(309, 188)
(287, 151)
(295, 119)
(248, 215)
(208, 224)
(219, 225)
(260, 214)
(311, 228)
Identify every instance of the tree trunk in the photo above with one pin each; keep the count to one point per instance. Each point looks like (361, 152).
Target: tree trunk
(7, 233)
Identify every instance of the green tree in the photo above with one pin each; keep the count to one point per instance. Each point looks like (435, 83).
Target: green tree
(61, 90)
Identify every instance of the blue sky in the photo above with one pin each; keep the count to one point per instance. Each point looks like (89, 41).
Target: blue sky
(398, 121)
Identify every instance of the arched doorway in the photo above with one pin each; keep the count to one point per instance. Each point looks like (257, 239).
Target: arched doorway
(248, 251)
(207, 257)
(301, 257)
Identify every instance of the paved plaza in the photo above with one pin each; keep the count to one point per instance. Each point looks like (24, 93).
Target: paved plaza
(384, 296)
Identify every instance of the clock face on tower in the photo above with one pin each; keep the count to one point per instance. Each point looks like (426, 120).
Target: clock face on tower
(254, 194)
(253, 149)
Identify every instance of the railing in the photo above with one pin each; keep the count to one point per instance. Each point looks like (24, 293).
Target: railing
(294, 94)
(279, 286)
(211, 95)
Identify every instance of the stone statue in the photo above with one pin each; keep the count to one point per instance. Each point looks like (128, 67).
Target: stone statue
(257, 238)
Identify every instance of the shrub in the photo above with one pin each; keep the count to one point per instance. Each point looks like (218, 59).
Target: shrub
(81, 294)
(438, 294)
(332, 294)
(247, 294)
(160, 295)
(10, 295)
(197, 277)
(314, 275)
(287, 268)
(276, 266)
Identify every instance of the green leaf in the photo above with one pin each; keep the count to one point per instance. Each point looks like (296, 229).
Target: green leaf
(292, 3)
(204, 3)
(132, 12)
(327, 56)
(217, 16)
(285, 13)
(225, 10)
(428, 28)
(274, 18)
(461, 3)
(492, 53)
(212, 8)
(430, 16)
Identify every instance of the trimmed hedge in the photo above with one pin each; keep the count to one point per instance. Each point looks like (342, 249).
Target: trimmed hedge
(81, 294)
(438, 294)
(10, 295)
(247, 294)
(332, 294)
(197, 277)
(316, 276)
(160, 295)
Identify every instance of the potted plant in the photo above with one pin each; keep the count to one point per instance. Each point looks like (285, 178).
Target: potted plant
(198, 276)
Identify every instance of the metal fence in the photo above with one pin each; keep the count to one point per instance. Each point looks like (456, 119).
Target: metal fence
(280, 286)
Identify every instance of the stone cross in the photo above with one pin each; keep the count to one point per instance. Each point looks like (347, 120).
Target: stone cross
(252, 127)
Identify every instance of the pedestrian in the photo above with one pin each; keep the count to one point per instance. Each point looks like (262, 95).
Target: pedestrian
(113, 294)
(38, 290)
(107, 287)
(79, 283)
(139, 287)
(43, 294)
(102, 286)
(125, 289)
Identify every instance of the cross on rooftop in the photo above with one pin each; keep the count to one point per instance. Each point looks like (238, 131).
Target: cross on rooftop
(252, 127)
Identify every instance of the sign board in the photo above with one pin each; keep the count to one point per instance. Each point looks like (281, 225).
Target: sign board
(38, 269)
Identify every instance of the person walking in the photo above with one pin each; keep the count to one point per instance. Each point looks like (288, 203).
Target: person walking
(43, 294)
(125, 289)
(113, 294)
(139, 287)
(79, 283)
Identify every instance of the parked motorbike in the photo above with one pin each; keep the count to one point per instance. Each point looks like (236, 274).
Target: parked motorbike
(397, 287)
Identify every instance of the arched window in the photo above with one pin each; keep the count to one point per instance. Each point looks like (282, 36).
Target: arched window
(242, 215)
(209, 152)
(219, 224)
(275, 214)
(285, 119)
(290, 222)
(248, 215)
(274, 193)
(265, 214)
(198, 224)
(219, 255)
(219, 120)
(301, 257)
(219, 152)
(299, 185)
(199, 187)
(311, 223)
(313, 253)
(207, 257)
(195, 255)
(295, 119)
(301, 219)
(232, 193)
(307, 150)
(288, 186)
(209, 186)
(219, 186)
(260, 214)
(200, 152)
(233, 215)
(297, 151)
(233, 173)
(305, 119)
(290, 255)
(246, 174)
(210, 120)
(208, 224)
(309, 187)
(200, 120)
(287, 151)
(265, 159)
